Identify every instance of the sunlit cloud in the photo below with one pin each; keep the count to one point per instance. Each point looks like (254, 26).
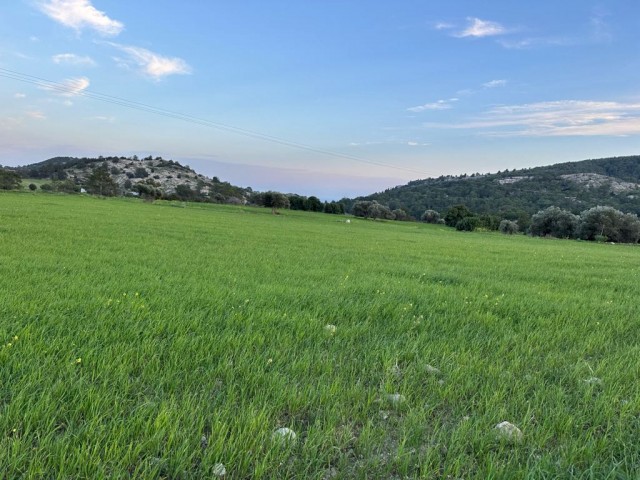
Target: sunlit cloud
(152, 64)
(439, 105)
(556, 119)
(481, 28)
(80, 14)
(495, 84)
(70, 87)
(73, 59)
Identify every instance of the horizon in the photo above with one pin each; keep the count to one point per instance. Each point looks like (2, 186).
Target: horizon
(332, 100)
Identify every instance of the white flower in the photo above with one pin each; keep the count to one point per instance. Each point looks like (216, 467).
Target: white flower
(219, 470)
(396, 398)
(331, 329)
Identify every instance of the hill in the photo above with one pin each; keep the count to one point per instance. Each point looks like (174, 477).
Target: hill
(132, 175)
(573, 186)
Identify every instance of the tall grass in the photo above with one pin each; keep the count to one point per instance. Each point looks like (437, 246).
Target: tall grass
(144, 340)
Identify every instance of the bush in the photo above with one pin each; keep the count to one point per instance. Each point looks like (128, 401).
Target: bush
(430, 216)
(455, 214)
(467, 224)
(607, 223)
(140, 172)
(554, 222)
(33, 187)
(508, 227)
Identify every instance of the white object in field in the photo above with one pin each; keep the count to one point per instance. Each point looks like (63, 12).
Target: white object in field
(285, 435)
(509, 431)
(396, 398)
(433, 370)
(219, 470)
(329, 328)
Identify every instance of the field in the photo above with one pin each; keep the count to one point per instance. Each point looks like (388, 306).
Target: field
(143, 340)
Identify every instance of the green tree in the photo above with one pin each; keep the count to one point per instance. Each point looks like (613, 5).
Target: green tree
(9, 180)
(275, 200)
(313, 204)
(555, 222)
(455, 214)
(430, 216)
(101, 183)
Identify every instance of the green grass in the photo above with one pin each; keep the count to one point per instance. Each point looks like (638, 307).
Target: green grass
(142, 328)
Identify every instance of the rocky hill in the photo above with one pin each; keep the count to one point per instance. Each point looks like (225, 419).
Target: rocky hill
(134, 176)
(574, 186)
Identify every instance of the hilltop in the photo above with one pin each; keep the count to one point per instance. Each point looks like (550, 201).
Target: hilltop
(573, 186)
(134, 176)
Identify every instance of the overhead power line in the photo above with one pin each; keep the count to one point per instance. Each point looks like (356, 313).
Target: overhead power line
(63, 88)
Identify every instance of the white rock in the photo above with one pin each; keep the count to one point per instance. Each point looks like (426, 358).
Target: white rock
(331, 329)
(219, 470)
(593, 381)
(509, 431)
(433, 370)
(396, 398)
(285, 435)
(347, 221)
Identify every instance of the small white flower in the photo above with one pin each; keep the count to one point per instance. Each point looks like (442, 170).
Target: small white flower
(593, 381)
(432, 370)
(330, 329)
(508, 431)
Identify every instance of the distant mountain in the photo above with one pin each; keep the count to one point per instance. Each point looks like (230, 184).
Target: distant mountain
(156, 176)
(574, 186)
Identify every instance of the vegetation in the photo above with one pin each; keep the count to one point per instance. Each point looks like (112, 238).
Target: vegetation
(9, 179)
(518, 194)
(142, 340)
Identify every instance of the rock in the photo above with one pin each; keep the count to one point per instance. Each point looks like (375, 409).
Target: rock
(284, 435)
(508, 431)
(395, 398)
(432, 370)
(219, 470)
(330, 329)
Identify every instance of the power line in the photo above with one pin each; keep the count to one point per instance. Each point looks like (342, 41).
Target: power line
(123, 102)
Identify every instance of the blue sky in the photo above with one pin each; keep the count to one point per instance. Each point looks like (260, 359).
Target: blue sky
(376, 93)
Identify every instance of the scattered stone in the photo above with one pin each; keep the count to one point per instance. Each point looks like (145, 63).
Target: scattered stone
(204, 442)
(432, 370)
(284, 435)
(593, 381)
(219, 470)
(395, 370)
(396, 398)
(330, 329)
(508, 431)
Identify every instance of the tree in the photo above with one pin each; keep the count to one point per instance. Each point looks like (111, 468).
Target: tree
(313, 204)
(430, 216)
(9, 180)
(101, 183)
(467, 224)
(555, 222)
(607, 223)
(360, 208)
(275, 200)
(400, 215)
(376, 210)
(455, 214)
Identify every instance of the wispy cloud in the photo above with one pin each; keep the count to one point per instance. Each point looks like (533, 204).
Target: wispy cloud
(600, 29)
(152, 64)
(73, 59)
(104, 118)
(36, 115)
(70, 87)
(495, 83)
(481, 28)
(439, 105)
(19, 95)
(557, 119)
(80, 14)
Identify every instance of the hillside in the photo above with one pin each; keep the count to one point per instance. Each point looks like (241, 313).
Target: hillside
(573, 186)
(166, 178)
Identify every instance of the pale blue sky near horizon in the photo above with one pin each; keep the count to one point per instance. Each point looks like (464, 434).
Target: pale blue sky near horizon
(378, 93)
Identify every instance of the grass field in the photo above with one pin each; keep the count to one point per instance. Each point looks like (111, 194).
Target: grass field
(143, 340)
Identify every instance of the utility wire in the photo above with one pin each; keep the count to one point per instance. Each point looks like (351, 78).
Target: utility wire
(63, 88)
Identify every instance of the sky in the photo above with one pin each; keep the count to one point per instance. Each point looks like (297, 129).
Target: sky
(331, 98)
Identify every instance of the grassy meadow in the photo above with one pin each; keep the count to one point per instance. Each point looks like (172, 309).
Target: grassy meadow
(142, 340)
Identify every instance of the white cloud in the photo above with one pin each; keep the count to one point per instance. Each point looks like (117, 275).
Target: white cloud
(481, 28)
(79, 14)
(70, 87)
(495, 84)
(153, 64)
(73, 59)
(557, 119)
(439, 105)
(443, 26)
(36, 115)
(104, 118)
(19, 95)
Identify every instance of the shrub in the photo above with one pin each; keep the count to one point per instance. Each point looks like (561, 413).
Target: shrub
(430, 216)
(467, 224)
(455, 214)
(508, 227)
(555, 222)
(607, 223)
(33, 187)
